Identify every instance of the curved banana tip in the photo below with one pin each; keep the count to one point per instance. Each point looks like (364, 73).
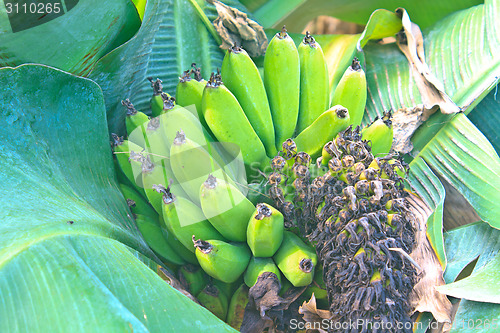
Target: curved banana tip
(306, 265)
(263, 211)
(130, 107)
(355, 66)
(202, 245)
(211, 182)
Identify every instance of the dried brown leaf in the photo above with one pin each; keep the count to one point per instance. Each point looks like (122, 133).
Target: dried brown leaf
(404, 122)
(411, 43)
(313, 315)
(265, 308)
(425, 297)
(235, 28)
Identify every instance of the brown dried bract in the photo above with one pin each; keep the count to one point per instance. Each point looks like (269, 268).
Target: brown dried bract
(235, 28)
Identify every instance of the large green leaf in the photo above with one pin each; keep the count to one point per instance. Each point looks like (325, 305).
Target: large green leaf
(296, 14)
(430, 189)
(71, 258)
(482, 284)
(171, 37)
(463, 245)
(461, 154)
(467, 243)
(486, 117)
(73, 41)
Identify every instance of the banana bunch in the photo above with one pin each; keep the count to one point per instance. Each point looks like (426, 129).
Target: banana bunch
(184, 171)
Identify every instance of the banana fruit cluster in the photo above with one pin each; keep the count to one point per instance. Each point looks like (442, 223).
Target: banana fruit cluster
(184, 172)
(352, 206)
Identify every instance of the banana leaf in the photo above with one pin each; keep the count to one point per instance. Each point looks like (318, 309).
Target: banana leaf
(71, 256)
(73, 41)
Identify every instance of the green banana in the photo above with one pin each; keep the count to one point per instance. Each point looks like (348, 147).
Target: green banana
(156, 178)
(265, 230)
(381, 134)
(227, 209)
(296, 260)
(122, 150)
(256, 267)
(193, 278)
(174, 243)
(351, 92)
(134, 118)
(212, 298)
(221, 260)
(191, 164)
(177, 119)
(236, 309)
(190, 91)
(152, 233)
(156, 146)
(136, 202)
(156, 102)
(184, 219)
(282, 82)
(228, 122)
(312, 139)
(242, 78)
(314, 83)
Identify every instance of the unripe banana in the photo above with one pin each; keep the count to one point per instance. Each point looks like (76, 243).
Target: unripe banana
(179, 118)
(236, 310)
(296, 260)
(191, 165)
(221, 260)
(134, 118)
(212, 298)
(178, 247)
(329, 123)
(156, 102)
(351, 92)
(184, 219)
(314, 83)
(265, 230)
(136, 203)
(122, 149)
(256, 267)
(156, 178)
(152, 233)
(156, 146)
(282, 82)
(190, 91)
(242, 78)
(193, 278)
(380, 133)
(227, 209)
(228, 122)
